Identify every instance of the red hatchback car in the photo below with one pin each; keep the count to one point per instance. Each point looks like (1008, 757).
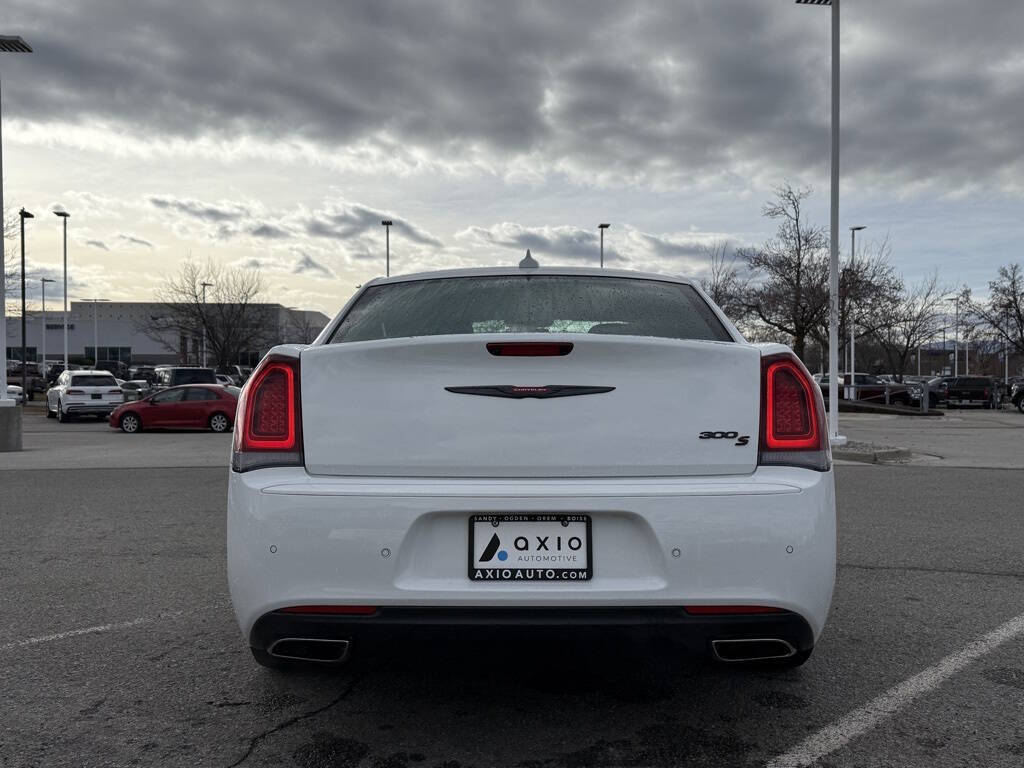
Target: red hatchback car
(193, 406)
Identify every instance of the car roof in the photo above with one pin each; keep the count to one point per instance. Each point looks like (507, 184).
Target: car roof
(521, 272)
(92, 371)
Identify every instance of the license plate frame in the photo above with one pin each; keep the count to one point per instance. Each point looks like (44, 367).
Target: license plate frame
(549, 523)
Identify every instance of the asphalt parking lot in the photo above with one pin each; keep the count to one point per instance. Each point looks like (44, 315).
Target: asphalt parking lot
(118, 646)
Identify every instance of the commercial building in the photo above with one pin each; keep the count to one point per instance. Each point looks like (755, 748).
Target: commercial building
(126, 331)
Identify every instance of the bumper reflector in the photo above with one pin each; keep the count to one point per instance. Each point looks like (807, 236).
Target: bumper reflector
(344, 610)
(729, 610)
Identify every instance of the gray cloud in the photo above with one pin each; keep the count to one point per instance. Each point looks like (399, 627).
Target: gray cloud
(564, 242)
(651, 91)
(210, 212)
(344, 221)
(97, 244)
(625, 246)
(308, 265)
(133, 240)
(269, 231)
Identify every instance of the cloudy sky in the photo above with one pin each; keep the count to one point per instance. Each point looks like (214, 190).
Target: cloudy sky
(278, 135)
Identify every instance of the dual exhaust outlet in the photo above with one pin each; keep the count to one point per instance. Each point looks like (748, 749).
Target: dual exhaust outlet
(310, 649)
(752, 649)
(322, 651)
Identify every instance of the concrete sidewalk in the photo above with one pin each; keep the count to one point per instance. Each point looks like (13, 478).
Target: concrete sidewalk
(962, 438)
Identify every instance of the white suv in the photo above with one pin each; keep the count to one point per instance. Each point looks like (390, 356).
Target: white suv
(83, 393)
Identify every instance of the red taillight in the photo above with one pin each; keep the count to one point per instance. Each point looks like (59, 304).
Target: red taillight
(268, 432)
(729, 610)
(529, 349)
(792, 415)
(333, 610)
(114, 392)
(74, 392)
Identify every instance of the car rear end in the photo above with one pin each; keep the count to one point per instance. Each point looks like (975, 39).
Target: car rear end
(586, 469)
(91, 393)
(971, 391)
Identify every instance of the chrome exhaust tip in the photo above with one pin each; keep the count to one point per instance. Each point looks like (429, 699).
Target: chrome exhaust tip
(311, 649)
(752, 649)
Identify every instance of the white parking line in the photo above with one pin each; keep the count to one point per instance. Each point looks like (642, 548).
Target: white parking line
(103, 628)
(860, 721)
(74, 633)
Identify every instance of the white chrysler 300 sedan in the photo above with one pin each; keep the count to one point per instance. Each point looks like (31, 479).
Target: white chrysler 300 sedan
(531, 446)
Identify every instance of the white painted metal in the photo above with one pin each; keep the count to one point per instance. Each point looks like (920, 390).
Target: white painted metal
(733, 533)
(381, 408)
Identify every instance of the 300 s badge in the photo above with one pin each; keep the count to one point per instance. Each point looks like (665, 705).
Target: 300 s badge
(740, 439)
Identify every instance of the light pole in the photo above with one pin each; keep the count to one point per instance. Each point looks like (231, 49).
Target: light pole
(23, 214)
(42, 282)
(853, 277)
(8, 44)
(956, 335)
(95, 330)
(833, 276)
(205, 286)
(602, 227)
(64, 217)
(387, 224)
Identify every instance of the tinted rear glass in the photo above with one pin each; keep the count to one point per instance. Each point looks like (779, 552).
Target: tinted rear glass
(193, 376)
(530, 304)
(93, 381)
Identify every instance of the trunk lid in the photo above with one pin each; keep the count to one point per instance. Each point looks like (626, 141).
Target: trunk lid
(381, 408)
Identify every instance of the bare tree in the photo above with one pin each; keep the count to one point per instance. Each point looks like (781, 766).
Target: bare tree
(724, 282)
(233, 321)
(789, 289)
(906, 321)
(1003, 311)
(10, 261)
(869, 290)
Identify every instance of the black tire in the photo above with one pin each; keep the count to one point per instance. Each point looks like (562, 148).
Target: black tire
(62, 417)
(1020, 405)
(219, 422)
(50, 414)
(130, 423)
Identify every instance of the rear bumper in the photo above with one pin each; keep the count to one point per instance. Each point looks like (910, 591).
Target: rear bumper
(102, 409)
(401, 544)
(693, 632)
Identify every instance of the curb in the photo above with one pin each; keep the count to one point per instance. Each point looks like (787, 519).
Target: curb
(875, 457)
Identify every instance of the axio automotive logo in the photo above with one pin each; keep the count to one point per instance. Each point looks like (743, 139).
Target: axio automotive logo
(492, 549)
(522, 544)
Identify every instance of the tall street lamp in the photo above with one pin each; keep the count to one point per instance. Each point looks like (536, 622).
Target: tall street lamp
(387, 224)
(64, 217)
(833, 267)
(95, 330)
(22, 215)
(853, 276)
(956, 335)
(602, 227)
(8, 44)
(42, 282)
(205, 286)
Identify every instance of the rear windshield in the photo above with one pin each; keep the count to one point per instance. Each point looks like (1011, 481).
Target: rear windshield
(530, 304)
(93, 381)
(194, 376)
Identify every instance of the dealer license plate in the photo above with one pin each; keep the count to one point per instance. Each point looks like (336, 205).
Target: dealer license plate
(530, 547)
